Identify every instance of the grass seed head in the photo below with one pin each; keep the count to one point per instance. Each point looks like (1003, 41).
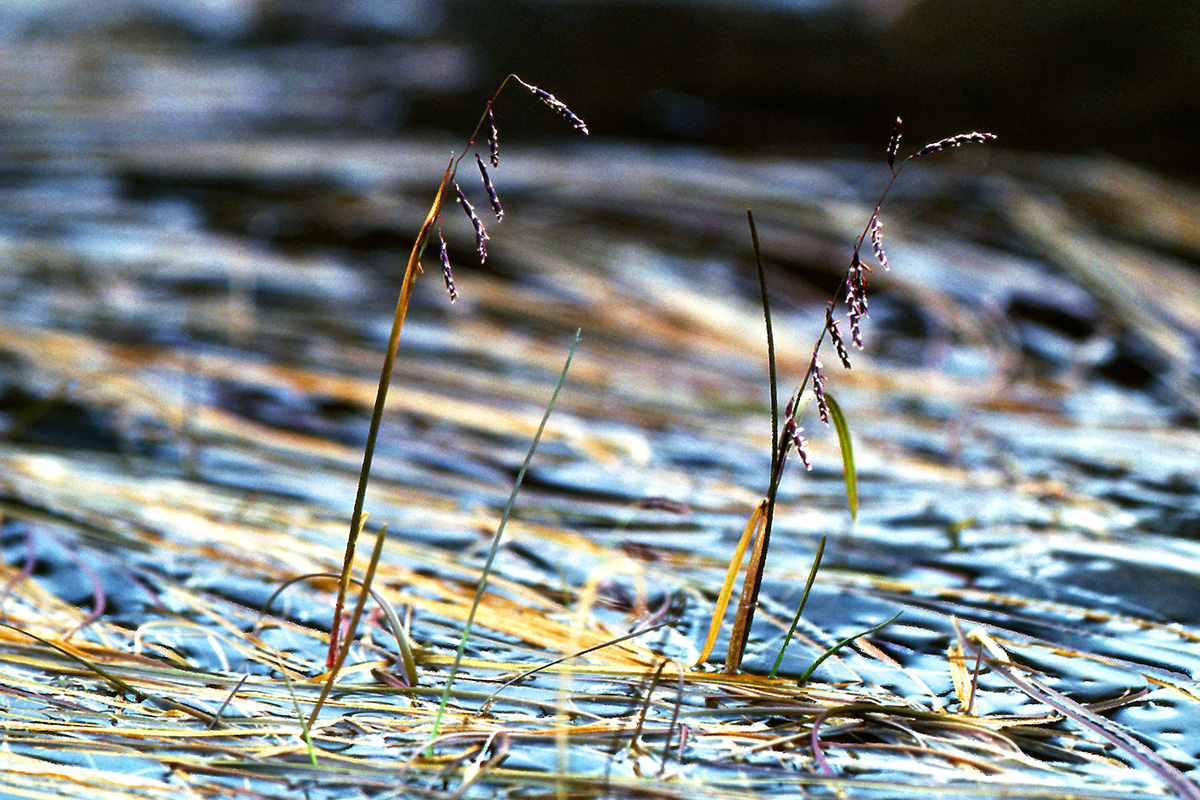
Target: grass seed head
(836, 335)
(791, 436)
(493, 138)
(818, 383)
(893, 144)
(557, 105)
(877, 240)
(447, 274)
(481, 236)
(953, 141)
(491, 190)
(855, 319)
(856, 299)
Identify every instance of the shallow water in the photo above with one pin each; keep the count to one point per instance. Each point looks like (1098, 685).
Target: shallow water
(192, 322)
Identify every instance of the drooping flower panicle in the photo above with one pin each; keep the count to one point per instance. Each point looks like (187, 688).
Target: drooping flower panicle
(855, 286)
(488, 124)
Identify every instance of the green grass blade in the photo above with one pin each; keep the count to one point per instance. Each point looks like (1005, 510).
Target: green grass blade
(487, 567)
(766, 305)
(813, 667)
(843, 433)
(740, 633)
(812, 575)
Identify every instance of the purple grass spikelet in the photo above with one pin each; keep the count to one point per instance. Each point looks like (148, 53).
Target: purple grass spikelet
(893, 145)
(447, 274)
(855, 279)
(790, 436)
(953, 141)
(481, 236)
(557, 105)
(836, 335)
(855, 312)
(856, 329)
(856, 299)
(491, 190)
(818, 383)
(493, 138)
(877, 240)
(801, 445)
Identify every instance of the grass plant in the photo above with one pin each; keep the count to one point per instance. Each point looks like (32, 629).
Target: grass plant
(411, 270)
(853, 290)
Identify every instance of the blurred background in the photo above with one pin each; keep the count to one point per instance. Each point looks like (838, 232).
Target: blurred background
(791, 76)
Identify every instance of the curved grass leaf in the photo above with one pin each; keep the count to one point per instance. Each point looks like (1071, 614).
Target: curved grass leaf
(403, 646)
(843, 433)
(348, 639)
(804, 676)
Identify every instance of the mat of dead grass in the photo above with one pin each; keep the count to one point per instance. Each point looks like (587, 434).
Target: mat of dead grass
(184, 431)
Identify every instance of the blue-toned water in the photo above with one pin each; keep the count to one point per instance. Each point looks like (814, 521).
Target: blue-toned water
(202, 232)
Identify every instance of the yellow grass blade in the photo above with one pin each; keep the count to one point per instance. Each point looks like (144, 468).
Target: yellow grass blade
(756, 522)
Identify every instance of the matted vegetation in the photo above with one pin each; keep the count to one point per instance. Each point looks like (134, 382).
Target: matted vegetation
(157, 642)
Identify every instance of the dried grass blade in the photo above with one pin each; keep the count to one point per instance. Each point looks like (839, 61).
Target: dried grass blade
(229, 699)
(483, 709)
(78, 659)
(749, 599)
(1089, 719)
(960, 677)
(143, 697)
(756, 522)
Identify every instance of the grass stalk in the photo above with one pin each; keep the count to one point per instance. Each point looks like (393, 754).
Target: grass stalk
(491, 556)
(344, 650)
(385, 379)
(854, 287)
(410, 276)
